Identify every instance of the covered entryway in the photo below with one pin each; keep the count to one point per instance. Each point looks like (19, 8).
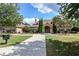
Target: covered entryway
(47, 29)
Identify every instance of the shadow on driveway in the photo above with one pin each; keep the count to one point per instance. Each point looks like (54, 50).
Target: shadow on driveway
(35, 48)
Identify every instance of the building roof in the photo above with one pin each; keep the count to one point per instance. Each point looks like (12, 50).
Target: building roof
(21, 25)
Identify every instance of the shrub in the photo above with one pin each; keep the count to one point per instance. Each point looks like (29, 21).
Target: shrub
(74, 30)
(27, 29)
(54, 28)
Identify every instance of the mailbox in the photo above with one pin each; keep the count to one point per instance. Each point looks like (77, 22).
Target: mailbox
(6, 37)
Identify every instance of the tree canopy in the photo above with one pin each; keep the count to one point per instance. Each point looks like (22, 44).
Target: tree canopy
(70, 10)
(9, 15)
(58, 20)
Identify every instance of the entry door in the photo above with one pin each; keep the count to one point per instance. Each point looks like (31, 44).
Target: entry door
(47, 29)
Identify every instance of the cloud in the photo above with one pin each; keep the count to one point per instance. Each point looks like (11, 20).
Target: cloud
(30, 20)
(46, 7)
(41, 8)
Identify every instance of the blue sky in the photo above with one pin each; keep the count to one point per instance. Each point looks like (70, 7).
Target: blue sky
(30, 11)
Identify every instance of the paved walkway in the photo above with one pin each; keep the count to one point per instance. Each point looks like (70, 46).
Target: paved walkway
(34, 46)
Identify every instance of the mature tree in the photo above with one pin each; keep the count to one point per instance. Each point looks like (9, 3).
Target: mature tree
(58, 20)
(8, 15)
(70, 10)
(40, 28)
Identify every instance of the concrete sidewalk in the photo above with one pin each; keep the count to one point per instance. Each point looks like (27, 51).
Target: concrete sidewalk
(34, 46)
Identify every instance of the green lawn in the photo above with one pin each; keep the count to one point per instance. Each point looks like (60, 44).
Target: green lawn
(14, 39)
(62, 44)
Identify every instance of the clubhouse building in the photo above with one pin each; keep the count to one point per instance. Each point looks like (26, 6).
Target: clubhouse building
(48, 26)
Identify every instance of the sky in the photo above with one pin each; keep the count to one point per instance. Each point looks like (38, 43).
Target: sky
(30, 11)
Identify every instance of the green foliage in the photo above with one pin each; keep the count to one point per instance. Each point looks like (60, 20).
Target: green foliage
(58, 20)
(75, 29)
(70, 10)
(62, 45)
(77, 23)
(9, 15)
(27, 29)
(40, 28)
(59, 48)
(54, 28)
